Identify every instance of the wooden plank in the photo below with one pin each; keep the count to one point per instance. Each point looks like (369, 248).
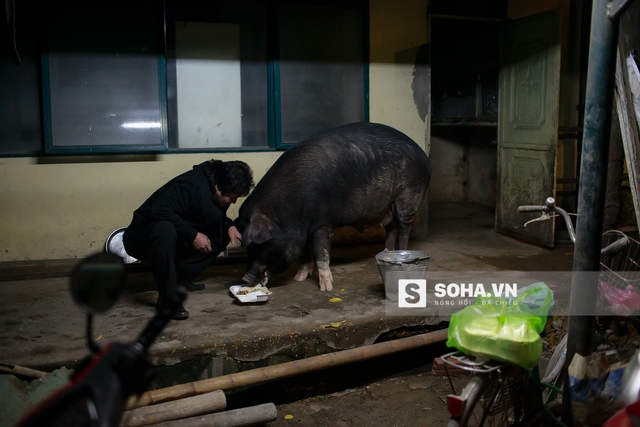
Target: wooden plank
(633, 75)
(629, 130)
(51, 268)
(28, 270)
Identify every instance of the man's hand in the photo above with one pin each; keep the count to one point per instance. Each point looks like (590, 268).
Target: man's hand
(201, 243)
(234, 234)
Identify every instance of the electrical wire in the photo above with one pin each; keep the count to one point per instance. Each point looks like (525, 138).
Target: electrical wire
(13, 27)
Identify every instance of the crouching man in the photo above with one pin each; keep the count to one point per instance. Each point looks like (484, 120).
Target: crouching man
(183, 226)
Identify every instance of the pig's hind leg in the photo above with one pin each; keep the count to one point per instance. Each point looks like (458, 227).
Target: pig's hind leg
(306, 265)
(406, 206)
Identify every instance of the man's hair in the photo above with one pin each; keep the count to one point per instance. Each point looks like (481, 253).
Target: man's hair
(233, 177)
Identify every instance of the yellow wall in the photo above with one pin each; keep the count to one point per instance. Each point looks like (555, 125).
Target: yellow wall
(396, 27)
(66, 208)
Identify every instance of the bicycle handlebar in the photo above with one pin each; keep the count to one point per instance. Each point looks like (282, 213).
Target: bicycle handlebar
(532, 208)
(616, 247)
(551, 207)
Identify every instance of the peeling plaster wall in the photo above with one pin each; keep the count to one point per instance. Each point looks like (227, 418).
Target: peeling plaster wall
(450, 170)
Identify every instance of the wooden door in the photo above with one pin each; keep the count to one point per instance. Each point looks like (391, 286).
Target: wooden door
(528, 123)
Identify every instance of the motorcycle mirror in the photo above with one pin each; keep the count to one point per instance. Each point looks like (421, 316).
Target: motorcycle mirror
(97, 280)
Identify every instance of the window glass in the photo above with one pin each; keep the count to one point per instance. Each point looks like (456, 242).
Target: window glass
(103, 79)
(320, 68)
(193, 76)
(219, 71)
(208, 84)
(20, 124)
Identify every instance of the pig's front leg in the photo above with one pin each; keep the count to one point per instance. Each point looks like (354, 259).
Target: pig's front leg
(321, 248)
(306, 267)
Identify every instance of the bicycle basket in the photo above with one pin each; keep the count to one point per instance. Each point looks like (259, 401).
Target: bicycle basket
(619, 283)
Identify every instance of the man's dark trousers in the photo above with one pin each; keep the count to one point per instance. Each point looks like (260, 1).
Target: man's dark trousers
(173, 262)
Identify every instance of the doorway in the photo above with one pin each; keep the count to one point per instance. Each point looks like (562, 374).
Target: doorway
(495, 96)
(464, 92)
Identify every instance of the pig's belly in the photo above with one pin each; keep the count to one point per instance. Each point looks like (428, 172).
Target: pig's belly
(366, 223)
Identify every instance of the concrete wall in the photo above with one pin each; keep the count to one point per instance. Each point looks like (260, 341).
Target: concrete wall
(464, 162)
(65, 208)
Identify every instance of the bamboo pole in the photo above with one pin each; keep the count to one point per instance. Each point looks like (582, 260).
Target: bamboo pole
(176, 410)
(244, 417)
(286, 370)
(21, 371)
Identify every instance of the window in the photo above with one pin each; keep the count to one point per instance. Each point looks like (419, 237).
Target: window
(320, 69)
(217, 72)
(20, 107)
(181, 76)
(251, 74)
(103, 78)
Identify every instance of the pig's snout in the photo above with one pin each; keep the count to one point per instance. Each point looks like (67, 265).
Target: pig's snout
(250, 278)
(256, 277)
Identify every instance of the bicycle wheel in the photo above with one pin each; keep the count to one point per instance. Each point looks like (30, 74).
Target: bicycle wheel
(508, 398)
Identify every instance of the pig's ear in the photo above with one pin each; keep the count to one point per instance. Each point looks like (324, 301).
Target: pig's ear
(258, 231)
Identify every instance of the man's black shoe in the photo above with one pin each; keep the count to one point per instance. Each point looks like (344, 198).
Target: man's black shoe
(179, 314)
(192, 287)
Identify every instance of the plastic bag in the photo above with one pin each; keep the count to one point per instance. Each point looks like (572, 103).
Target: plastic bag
(503, 329)
(595, 385)
(557, 361)
(629, 297)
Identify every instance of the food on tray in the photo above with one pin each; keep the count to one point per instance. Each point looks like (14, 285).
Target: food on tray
(248, 289)
(246, 293)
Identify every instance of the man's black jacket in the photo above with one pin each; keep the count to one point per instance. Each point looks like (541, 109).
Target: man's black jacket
(188, 201)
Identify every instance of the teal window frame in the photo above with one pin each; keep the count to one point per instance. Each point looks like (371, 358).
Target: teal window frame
(273, 86)
(51, 148)
(101, 56)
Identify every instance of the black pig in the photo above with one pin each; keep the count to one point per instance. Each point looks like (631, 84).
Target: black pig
(362, 174)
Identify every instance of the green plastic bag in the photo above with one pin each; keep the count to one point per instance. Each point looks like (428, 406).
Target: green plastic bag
(504, 329)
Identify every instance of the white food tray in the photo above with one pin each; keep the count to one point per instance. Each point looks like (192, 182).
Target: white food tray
(259, 295)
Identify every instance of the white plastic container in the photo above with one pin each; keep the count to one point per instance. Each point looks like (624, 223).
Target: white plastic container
(258, 295)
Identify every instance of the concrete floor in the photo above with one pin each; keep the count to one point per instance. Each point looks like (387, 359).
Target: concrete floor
(41, 328)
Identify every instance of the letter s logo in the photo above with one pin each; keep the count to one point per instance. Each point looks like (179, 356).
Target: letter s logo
(412, 293)
(413, 297)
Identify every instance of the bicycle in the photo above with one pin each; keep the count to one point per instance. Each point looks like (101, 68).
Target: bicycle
(499, 394)
(619, 280)
(502, 394)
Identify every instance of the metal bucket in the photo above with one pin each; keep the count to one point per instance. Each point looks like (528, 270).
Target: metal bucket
(397, 265)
